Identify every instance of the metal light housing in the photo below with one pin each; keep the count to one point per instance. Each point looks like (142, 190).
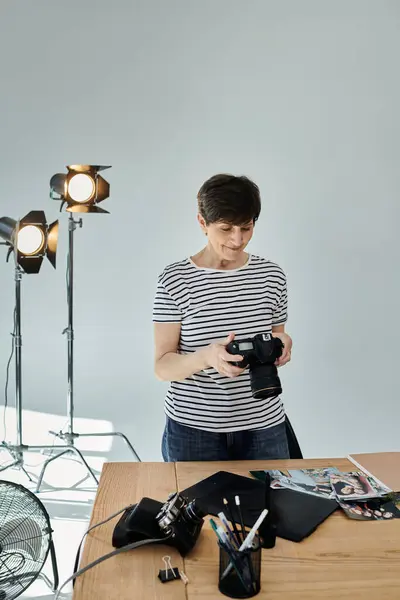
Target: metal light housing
(30, 239)
(81, 189)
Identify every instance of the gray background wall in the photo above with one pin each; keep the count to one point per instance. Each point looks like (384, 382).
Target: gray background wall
(302, 96)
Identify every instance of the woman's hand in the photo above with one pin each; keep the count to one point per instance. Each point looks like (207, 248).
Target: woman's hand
(287, 348)
(216, 356)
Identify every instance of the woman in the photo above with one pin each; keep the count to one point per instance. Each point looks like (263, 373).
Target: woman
(349, 485)
(204, 302)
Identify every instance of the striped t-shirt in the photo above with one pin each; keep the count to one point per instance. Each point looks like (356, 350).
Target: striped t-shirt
(209, 304)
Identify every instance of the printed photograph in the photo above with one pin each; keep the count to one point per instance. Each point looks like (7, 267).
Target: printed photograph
(352, 485)
(316, 475)
(378, 509)
(358, 511)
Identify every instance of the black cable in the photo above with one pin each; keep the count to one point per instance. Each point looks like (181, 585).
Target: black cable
(107, 556)
(110, 554)
(78, 554)
(8, 375)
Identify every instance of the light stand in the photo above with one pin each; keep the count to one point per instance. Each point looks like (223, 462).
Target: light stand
(17, 450)
(70, 435)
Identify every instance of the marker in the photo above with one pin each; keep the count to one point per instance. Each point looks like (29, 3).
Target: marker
(250, 536)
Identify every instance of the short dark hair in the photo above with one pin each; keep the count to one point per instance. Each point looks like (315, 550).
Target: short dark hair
(234, 200)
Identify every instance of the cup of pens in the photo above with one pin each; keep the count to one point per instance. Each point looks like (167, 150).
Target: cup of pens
(239, 554)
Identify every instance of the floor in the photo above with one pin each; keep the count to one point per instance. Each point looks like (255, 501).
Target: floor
(68, 495)
(67, 491)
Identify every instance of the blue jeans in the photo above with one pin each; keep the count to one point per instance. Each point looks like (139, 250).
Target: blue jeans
(182, 443)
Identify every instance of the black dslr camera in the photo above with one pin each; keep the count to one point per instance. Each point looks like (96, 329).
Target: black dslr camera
(176, 523)
(259, 354)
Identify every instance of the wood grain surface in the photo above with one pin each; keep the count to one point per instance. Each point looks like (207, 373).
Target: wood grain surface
(342, 559)
(131, 575)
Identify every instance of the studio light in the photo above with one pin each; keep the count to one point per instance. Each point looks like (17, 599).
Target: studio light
(30, 239)
(82, 188)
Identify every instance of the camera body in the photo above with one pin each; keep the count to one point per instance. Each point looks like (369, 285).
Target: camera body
(182, 520)
(176, 523)
(259, 354)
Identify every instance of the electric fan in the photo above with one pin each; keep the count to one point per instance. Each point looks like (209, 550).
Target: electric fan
(25, 540)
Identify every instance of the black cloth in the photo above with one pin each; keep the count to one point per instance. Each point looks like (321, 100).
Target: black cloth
(296, 514)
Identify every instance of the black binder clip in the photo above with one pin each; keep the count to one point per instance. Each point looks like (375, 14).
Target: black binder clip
(169, 573)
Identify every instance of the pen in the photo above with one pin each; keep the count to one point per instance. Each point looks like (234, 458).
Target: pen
(235, 529)
(227, 548)
(250, 564)
(249, 538)
(225, 523)
(237, 561)
(222, 537)
(247, 585)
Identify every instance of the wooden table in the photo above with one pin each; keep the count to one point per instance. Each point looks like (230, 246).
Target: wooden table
(342, 559)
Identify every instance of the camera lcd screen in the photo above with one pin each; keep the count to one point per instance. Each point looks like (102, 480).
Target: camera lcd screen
(245, 346)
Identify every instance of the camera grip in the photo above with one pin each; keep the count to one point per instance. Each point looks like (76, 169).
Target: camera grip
(233, 348)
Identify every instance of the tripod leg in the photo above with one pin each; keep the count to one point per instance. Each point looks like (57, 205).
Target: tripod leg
(13, 464)
(79, 453)
(128, 444)
(27, 474)
(46, 464)
(113, 433)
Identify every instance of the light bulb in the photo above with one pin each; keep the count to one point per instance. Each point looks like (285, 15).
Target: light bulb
(30, 240)
(81, 187)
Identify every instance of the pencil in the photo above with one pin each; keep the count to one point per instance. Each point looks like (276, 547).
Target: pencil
(237, 500)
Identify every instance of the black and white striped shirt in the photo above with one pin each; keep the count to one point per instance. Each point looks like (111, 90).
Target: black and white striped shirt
(209, 304)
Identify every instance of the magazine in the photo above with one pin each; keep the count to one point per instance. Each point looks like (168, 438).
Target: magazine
(326, 482)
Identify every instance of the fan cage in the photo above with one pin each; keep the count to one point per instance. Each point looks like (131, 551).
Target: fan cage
(25, 538)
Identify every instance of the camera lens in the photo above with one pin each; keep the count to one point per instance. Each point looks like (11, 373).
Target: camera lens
(265, 382)
(193, 513)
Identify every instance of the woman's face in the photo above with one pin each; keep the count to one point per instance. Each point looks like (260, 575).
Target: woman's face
(228, 241)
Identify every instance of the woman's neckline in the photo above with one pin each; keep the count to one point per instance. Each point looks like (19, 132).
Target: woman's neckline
(246, 264)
